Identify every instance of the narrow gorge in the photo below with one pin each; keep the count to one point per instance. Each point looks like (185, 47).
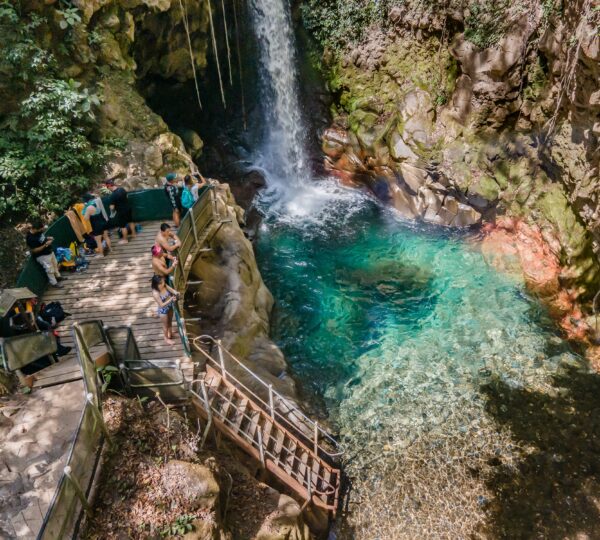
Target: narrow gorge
(410, 252)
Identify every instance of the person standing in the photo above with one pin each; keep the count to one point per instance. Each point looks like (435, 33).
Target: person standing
(159, 262)
(172, 192)
(167, 239)
(99, 223)
(120, 203)
(41, 249)
(165, 298)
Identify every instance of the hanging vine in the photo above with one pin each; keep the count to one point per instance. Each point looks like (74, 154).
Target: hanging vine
(216, 52)
(189, 41)
(239, 59)
(227, 43)
(569, 70)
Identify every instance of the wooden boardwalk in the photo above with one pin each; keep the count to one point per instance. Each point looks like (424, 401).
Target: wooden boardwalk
(116, 290)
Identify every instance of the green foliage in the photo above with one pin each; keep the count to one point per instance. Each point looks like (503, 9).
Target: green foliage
(338, 23)
(69, 17)
(45, 155)
(485, 24)
(181, 526)
(107, 373)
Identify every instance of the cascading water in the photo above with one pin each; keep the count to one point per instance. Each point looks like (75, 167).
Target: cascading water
(283, 153)
(422, 354)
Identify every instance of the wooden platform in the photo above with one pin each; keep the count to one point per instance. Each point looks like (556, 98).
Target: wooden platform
(115, 289)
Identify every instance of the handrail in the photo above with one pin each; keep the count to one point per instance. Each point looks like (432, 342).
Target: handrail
(190, 224)
(312, 426)
(274, 458)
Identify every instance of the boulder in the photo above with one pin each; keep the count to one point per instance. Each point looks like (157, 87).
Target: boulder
(192, 483)
(399, 150)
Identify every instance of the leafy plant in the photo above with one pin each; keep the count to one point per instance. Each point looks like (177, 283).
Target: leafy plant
(46, 157)
(70, 17)
(182, 525)
(107, 373)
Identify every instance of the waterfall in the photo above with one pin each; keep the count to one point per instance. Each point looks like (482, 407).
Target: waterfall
(283, 153)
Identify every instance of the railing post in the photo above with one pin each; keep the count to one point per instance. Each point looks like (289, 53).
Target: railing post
(260, 448)
(78, 491)
(271, 402)
(316, 438)
(193, 220)
(208, 410)
(221, 360)
(90, 400)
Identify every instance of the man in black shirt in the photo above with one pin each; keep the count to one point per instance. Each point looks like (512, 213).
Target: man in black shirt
(40, 246)
(172, 192)
(119, 202)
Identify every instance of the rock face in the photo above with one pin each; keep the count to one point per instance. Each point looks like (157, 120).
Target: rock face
(455, 132)
(234, 304)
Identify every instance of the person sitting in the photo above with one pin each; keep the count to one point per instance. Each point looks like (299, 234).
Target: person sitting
(165, 298)
(120, 203)
(172, 192)
(160, 264)
(93, 213)
(40, 246)
(167, 239)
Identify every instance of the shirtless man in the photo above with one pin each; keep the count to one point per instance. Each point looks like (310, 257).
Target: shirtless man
(159, 262)
(167, 239)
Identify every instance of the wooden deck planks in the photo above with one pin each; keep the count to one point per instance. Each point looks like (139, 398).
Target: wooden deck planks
(116, 290)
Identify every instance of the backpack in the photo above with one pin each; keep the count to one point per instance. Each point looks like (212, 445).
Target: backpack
(187, 199)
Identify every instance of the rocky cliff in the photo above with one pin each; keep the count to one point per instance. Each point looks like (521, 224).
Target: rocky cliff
(459, 112)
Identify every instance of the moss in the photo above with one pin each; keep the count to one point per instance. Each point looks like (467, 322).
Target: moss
(486, 187)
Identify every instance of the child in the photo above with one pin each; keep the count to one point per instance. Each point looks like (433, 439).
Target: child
(165, 297)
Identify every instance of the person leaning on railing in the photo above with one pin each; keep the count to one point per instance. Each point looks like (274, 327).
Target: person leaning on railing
(167, 239)
(159, 262)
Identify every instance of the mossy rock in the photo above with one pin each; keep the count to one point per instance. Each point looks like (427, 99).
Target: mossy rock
(485, 187)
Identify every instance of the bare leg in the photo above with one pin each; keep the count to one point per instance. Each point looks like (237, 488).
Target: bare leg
(170, 318)
(107, 238)
(176, 218)
(166, 324)
(124, 232)
(99, 248)
(133, 233)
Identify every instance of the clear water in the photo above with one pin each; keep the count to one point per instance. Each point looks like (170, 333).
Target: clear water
(396, 327)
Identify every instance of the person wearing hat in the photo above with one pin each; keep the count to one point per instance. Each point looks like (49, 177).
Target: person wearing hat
(120, 204)
(40, 247)
(172, 192)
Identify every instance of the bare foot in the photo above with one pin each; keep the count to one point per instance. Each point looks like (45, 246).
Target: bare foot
(169, 341)
(122, 242)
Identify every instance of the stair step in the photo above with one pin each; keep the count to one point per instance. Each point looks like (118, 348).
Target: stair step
(253, 425)
(267, 429)
(279, 437)
(289, 459)
(225, 403)
(239, 416)
(303, 461)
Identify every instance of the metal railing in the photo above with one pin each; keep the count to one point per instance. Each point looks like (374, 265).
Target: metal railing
(292, 464)
(278, 407)
(192, 234)
(71, 495)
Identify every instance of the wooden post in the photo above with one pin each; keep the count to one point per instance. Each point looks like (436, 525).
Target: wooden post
(208, 410)
(193, 220)
(78, 491)
(90, 399)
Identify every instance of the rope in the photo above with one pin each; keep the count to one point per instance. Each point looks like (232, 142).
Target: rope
(227, 43)
(214, 44)
(189, 40)
(239, 58)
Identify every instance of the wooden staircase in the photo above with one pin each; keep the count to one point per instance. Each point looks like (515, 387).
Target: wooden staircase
(261, 435)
